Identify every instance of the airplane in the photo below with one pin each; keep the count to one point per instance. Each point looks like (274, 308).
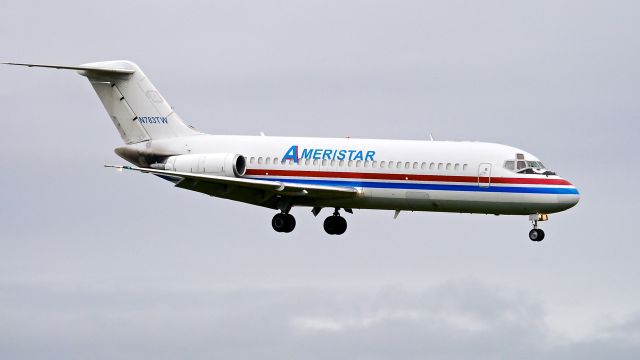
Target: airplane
(281, 173)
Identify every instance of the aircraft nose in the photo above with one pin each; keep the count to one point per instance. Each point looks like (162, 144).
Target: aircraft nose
(571, 197)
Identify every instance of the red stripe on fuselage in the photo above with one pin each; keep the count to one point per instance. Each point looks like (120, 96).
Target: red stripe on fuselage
(412, 177)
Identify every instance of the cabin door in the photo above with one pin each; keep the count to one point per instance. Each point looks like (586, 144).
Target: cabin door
(484, 175)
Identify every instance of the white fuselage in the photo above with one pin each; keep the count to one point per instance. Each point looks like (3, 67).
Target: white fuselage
(467, 177)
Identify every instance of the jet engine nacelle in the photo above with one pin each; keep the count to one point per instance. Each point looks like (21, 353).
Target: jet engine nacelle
(223, 164)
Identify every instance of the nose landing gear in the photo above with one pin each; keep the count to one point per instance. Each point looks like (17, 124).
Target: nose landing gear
(537, 234)
(335, 224)
(283, 222)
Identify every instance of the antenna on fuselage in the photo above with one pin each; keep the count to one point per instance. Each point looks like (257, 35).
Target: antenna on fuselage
(431, 137)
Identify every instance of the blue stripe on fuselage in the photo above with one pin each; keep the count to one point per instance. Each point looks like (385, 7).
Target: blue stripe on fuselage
(441, 187)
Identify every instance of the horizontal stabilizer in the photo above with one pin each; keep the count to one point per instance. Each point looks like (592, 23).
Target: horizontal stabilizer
(79, 68)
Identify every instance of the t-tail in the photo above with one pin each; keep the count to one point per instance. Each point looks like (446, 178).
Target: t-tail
(136, 107)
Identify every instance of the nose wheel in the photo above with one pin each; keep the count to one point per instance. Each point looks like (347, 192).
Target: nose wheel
(537, 234)
(335, 224)
(283, 222)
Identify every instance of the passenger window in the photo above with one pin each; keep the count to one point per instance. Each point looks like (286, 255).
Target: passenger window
(252, 160)
(456, 167)
(399, 164)
(350, 163)
(315, 162)
(432, 166)
(260, 160)
(374, 164)
(423, 166)
(407, 165)
(333, 162)
(341, 162)
(448, 166)
(268, 160)
(383, 164)
(275, 161)
(359, 163)
(366, 163)
(440, 166)
(324, 162)
(307, 162)
(415, 165)
(464, 167)
(510, 165)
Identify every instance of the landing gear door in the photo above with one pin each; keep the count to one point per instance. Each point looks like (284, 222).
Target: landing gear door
(484, 175)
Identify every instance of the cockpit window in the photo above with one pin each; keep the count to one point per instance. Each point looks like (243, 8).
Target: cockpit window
(510, 165)
(527, 167)
(535, 164)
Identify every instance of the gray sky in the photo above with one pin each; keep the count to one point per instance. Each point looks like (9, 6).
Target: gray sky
(100, 264)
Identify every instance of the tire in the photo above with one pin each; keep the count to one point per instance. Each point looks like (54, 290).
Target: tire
(536, 234)
(330, 225)
(290, 223)
(279, 222)
(341, 225)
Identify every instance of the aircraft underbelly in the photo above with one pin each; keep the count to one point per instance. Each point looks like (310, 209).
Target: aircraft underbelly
(452, 201)
(482, 202)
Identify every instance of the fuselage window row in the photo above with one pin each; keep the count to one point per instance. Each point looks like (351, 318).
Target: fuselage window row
(440, 166)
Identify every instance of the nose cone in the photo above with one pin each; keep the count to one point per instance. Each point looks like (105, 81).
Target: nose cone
(570, 197)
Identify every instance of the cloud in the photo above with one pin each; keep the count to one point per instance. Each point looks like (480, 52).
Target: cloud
(455, 320)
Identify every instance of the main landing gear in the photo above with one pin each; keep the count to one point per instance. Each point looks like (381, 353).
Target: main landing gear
(335, 224)
(282, 222)
(537, 234)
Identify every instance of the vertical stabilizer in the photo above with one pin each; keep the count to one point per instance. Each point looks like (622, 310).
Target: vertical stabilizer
(135, 106)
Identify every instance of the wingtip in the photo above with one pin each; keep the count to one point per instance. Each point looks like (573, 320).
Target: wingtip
(119, 167)
(18, 64)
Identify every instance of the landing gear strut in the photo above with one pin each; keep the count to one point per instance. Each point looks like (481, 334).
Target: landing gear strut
(537, 234)
(335, 224)
(282, 222)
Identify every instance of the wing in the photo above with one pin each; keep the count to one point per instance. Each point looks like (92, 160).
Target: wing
(210, 184)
